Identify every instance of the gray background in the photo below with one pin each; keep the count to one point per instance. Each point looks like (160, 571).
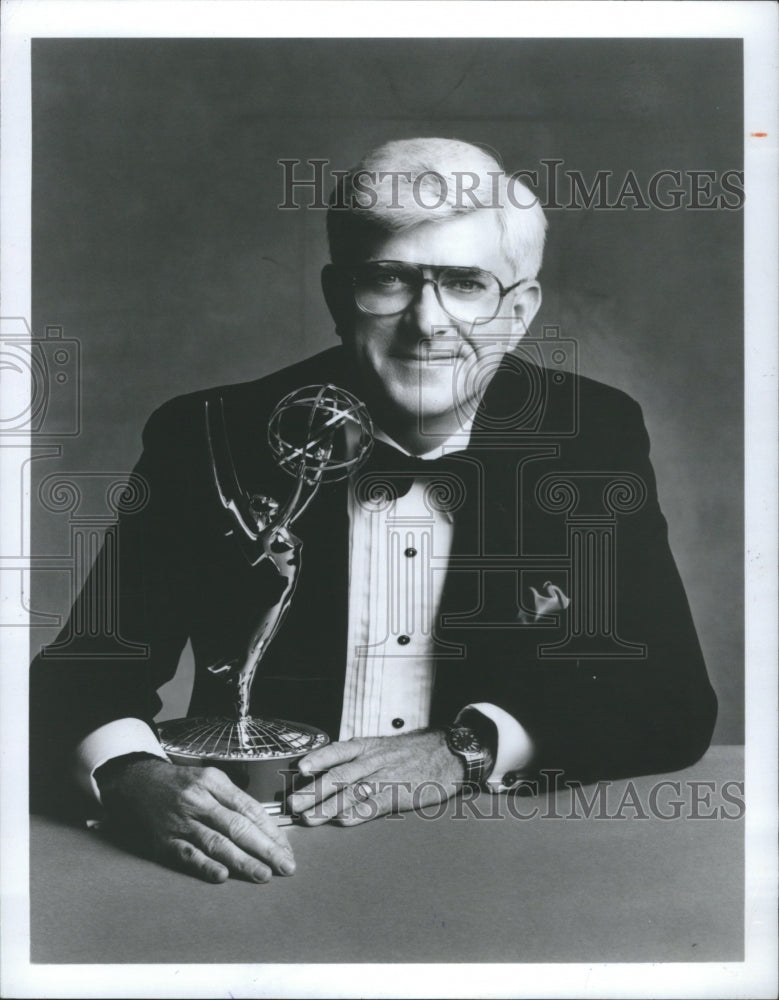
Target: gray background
(158, 244)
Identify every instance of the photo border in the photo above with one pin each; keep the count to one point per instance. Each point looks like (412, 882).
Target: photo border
(755, 22)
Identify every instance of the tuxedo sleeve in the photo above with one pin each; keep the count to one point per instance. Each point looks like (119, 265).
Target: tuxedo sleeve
(127, 626)
(615, 715)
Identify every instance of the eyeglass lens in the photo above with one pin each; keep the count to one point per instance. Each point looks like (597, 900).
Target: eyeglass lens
(466, 293)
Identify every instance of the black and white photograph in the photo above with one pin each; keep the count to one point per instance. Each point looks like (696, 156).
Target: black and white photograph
(388, 437)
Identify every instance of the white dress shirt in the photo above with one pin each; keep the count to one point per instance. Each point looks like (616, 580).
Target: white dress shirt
(398, 557)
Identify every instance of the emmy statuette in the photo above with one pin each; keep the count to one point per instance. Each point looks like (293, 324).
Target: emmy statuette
(318, 434)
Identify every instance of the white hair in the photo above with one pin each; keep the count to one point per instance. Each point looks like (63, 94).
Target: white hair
(407, 182)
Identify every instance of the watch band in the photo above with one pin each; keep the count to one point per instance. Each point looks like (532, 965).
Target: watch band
(468, 745)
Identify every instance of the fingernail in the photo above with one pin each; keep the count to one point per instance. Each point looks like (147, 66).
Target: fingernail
(260, 875)
(287, 866)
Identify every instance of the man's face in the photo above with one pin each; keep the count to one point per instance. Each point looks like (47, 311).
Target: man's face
(421, 366)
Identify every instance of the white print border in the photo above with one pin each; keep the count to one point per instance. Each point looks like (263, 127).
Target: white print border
(755, 22)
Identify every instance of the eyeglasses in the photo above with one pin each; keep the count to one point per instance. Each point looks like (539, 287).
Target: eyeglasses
(466, 294)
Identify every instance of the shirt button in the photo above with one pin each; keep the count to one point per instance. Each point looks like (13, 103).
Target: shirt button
(510, 778)
(410, 552)
(403, 640)
(398, 723)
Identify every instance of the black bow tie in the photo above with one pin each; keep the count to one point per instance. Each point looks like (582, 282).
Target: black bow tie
(398, 470)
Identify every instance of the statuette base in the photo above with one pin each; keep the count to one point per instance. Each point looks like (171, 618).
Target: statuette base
(259, 755)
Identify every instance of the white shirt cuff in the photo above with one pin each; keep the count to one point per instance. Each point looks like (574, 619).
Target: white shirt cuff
(514, 750)
(112, 740)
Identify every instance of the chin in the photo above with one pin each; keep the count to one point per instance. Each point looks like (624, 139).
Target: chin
(426, 412)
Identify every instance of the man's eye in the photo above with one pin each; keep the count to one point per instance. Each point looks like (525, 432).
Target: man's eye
(464, 286)
(387, 281)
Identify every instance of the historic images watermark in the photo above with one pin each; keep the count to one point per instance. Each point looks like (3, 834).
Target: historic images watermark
(545, 798)
(553, 185)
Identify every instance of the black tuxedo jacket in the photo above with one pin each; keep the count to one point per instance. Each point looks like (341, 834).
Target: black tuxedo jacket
(555, 487)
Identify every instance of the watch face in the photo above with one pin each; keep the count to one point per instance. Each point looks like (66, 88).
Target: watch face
(463, 738)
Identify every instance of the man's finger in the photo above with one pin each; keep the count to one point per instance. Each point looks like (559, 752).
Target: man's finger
(389, 796)
(330, 756)
(242, 831)
(362, 809)
(186, 857)
(229, 794)
(343, 799)
(332, 784)
(220, 848)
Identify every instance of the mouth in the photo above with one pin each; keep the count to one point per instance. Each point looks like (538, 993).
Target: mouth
(433, 355)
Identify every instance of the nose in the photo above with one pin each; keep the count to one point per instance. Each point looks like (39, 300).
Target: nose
(426, 313)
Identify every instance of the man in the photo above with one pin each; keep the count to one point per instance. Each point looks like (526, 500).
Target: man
(511, 605)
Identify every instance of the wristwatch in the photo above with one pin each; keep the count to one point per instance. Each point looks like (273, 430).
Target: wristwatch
(473, 749)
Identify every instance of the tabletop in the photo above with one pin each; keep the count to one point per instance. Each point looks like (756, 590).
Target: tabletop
(654, 873)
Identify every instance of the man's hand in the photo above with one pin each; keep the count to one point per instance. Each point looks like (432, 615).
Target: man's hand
(196, 820)
(363, 778)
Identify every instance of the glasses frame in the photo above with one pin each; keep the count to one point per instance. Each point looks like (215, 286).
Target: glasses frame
(436, 269)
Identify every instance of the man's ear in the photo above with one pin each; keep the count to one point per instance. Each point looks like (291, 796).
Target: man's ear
(338, 296)
(527, 302)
